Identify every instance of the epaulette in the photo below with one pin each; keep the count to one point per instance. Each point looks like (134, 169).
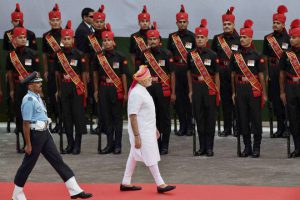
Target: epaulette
(29, 98)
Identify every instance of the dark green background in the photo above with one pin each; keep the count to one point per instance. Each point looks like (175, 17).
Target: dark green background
(122, 45)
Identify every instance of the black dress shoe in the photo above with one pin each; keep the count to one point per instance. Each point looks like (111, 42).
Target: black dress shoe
(95, 131)
(82, 195)
(106, 150)
(285, 134)
(164, 152)
(129, 188)
(246, 153)
(200, 152)
(209, 153)
(165, 189)
(295, 154)
(117, 151)
(180, 132)
(255, 154)
(225, 133)
(67, 150)
(189, 132)
(76, 151)
(278, 134)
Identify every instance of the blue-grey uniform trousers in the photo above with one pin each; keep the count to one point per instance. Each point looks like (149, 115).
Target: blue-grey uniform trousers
(42, 142)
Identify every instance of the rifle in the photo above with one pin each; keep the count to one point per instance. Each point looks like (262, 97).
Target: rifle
(237, 125)
(175, 120)
(270, 105)
(238, 130)
(91, 103)
(194, 132)
(219, 120)
(287, 126)
(9, 109)
(99, 132)
(17, 140)
(270, 109)
(61, 139)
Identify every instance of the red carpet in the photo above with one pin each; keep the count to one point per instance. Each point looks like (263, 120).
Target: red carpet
(57, 191)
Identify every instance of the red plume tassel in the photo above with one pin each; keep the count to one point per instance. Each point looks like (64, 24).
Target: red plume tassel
(108, 27)
(144, 9)
(282, 9)
(21, 23)
(182, 9)
(154, 26)
(17, 7)
(101, 9)
(203, 23)
(248, 23)
(56, 8)
(230, 10)
(69, 24)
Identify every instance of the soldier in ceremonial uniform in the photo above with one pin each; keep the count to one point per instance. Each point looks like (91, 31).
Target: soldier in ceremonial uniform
(16, 19)
(49, 67)
(224, 44)
(39, 141)
(180, 43)
(19, 63)
(93, 45)
(110, 83)
(249, 93)
(134, 49)
(162, 90)
(71, 87)
(204, 85)
(274, 45)
(290, 84)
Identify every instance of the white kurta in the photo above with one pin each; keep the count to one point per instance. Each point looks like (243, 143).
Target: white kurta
(141, 103)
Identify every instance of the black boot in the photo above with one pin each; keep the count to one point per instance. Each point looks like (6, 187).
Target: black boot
(67, 150)
(110, 146)
(225, 133)
(278, 133)
(256, 145)
(247, 152)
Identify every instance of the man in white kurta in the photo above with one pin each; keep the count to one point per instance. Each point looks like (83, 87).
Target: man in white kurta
(143, 133)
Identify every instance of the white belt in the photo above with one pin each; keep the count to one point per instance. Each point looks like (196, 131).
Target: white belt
(39, 126)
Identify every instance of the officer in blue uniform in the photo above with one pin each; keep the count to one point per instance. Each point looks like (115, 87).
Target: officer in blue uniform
(39, 140)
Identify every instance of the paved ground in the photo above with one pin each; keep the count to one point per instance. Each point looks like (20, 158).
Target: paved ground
(272, 169)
